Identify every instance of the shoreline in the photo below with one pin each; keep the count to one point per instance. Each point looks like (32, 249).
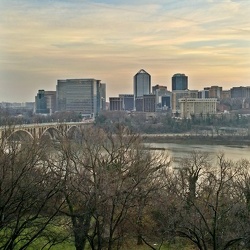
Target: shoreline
(197, 139)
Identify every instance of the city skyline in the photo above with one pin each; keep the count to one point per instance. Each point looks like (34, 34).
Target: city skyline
(43, 41)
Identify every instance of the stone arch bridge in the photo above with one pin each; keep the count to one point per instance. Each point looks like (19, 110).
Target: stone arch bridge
(28, 132)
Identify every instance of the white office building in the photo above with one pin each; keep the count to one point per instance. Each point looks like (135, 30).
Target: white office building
(197, 106)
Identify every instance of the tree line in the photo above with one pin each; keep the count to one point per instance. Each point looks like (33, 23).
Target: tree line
(102, 189)
(166, 123)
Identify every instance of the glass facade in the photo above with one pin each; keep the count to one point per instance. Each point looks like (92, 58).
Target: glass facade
(142, 83)
(41, 103)
(179, 82)
(79, 95)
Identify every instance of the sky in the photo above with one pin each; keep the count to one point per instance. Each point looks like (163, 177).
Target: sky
(42, 41)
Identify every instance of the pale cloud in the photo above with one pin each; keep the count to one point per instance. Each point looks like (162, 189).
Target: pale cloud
(42, 41)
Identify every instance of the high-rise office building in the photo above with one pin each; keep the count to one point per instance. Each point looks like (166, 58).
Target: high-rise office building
(79, 95)
(51, 101)
(41, 103)
(214, 91)
(45, 102)
(159, 87)
(149, 103)
(225, 94)
(160, 92)
(161, 98)
(139, 104)
(142, 83)
(203, 93)
(115, 103)
(166, 102)
(179, 82)
(145, 103)
(103, 96)
(240, 92)
(128, 101)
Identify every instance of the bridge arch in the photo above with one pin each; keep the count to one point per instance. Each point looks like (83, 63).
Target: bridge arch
(51, 133)
(73, 132)
(20, 135)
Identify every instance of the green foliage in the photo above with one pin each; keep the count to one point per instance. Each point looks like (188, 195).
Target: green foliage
(54, 236)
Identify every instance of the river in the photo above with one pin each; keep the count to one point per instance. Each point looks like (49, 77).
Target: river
(177, 151)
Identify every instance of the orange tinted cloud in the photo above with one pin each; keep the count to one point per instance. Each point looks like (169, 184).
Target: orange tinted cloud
(42, 41)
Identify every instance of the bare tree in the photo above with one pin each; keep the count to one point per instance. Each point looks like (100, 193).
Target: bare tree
(107, 177)
(191, 170)
(134, 175)
(73, 167)
(212, 218)
(242, 193)
(243, 181)
(27, 193)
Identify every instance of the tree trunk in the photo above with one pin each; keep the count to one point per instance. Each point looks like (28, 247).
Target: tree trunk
(81, 228)
(139, 240)
(80, 240)
(139, 222)
(192, 189)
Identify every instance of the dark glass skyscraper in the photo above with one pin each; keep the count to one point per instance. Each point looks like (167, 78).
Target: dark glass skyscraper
(41, 102)
(142, 83)
(179, 82)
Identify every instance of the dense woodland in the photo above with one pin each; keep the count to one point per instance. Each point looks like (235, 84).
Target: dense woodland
(99, 188)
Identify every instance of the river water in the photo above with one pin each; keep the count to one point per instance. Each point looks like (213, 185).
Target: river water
(177, 151)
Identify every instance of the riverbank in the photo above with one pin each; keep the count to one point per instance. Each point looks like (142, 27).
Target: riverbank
(197, 139)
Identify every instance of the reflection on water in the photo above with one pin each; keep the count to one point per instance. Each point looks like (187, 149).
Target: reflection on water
(177, 151)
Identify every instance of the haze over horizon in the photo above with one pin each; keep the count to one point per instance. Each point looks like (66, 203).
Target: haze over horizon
(43, 41)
